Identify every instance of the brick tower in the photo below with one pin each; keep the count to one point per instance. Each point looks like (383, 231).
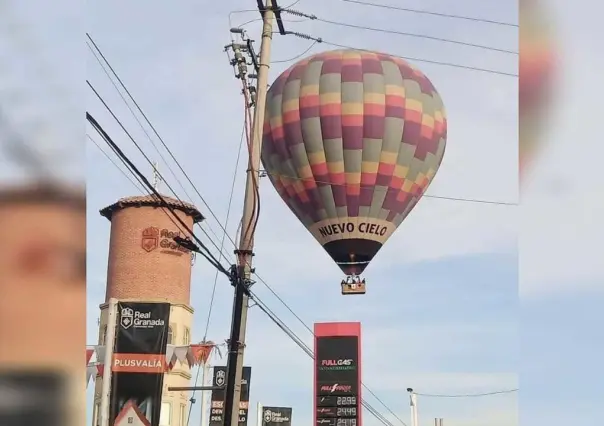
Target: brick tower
(145, 265)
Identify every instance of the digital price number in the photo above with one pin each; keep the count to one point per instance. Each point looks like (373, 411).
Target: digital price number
(346, 400)
(346, 422)
(346, 412)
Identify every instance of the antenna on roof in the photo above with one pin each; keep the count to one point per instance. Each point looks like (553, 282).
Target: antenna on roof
(156, 176)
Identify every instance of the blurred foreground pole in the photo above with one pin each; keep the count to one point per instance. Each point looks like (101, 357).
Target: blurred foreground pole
(248, 226)
(109, 347)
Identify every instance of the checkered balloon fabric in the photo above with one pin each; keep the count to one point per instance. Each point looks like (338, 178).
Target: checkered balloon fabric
(352, 140)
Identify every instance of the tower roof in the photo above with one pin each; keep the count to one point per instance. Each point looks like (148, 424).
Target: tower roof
(152, 200)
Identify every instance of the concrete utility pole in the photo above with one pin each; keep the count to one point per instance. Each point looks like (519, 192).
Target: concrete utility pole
(413, 405)
(248, 222)
(109, 343)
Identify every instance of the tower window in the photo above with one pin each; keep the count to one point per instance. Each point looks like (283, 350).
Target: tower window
(186, 338)
(170, 335)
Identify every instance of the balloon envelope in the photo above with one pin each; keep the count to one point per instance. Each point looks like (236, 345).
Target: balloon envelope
(352, 139)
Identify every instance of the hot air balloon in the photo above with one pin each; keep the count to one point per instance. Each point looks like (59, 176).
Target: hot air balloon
(351, 141)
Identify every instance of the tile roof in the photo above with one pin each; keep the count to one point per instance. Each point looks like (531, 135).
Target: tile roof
(152, 200)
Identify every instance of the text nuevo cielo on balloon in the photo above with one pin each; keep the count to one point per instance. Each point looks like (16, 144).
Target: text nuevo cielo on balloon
(357, 227)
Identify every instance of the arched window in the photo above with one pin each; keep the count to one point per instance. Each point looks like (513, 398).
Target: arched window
(186, 337)
(170, 336)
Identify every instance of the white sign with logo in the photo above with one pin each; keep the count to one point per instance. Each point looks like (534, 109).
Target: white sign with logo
(132, 318)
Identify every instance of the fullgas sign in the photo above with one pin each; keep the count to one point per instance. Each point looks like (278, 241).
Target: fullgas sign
(154, 238)
(139, 358)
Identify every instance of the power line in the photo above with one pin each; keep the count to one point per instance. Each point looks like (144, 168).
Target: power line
(374, 188)
(144, 155)
(283, 61)
(312, 332)
(207, 255)
(161, 140)
(293, 336)
(475, 395)
(415, 35)
(213, 261)
(114, 163)
(149, 138)
(426, 12)
(409, 58)
(212, 297)
(427, 61)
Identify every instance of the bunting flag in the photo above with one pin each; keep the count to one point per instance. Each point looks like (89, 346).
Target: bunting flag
(170, 355)
(89, 353)
(90, 371)
(189, 355)
(201, 352)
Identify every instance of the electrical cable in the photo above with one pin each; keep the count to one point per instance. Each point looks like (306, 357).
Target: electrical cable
(169, 216)
(141, 190)
(291, 21)
(146, 157)
(475, 395)
(207, 255)
(410, 58)
(212, 297)
(148, 137)
(114, 163)
(315, 42)
(373, 188)
(273, 317)
(312, 332)
(426, 12)
(135, 170)
(415, 35)
(159, 137)
(189, 198)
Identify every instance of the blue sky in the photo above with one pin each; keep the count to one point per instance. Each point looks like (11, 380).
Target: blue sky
(442, 313)
(442, 307)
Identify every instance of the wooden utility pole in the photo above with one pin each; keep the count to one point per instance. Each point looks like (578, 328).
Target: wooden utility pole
(248, 225)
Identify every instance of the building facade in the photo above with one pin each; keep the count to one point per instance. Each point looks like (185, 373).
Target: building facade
(145, 265)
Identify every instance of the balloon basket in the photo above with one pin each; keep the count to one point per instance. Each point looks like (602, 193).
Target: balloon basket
(353, 287)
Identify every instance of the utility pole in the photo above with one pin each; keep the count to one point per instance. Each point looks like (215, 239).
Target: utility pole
(109, 342)
(413, 405)
(242, 279)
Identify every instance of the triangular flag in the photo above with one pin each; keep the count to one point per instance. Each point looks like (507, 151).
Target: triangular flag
(169, 354)
(89, 373)
(89, 353)
(100, 368)
(201, 352)
(180, 352)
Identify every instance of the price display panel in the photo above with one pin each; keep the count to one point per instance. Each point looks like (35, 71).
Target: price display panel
(337, 399)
